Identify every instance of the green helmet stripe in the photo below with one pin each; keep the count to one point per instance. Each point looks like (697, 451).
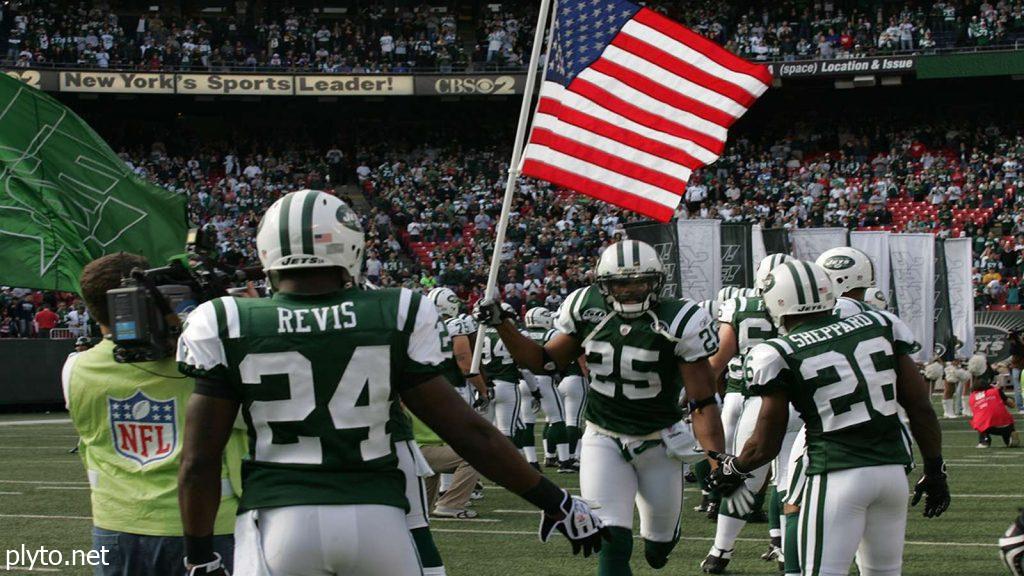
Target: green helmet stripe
(620, 252)
(800, 297)
(282, 225)
(307, 221)
(812, 281)
(636, 253)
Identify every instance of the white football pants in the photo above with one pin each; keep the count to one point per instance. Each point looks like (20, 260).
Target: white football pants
(651, 480)
(574, 399)
(325, 541)
(732, 407)
(858, 511)
(504, 409)
(414, 466)
(550, 401)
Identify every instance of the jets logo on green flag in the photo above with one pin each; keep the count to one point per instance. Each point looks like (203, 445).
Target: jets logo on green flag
(66, 198)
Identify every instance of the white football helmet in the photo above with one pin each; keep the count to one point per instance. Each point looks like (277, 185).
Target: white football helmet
(630, 261)
(876, 298)
(539, 317)
(765, 266)
(446, 301)
(796, 288)
(848, 268)
(310, 229)
(1011, 547)
(510, 311)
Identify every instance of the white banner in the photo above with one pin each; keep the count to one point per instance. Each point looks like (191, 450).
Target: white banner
(700, 258)
(876, 246)
(961, 293)
(809, 243)
(757, 250)
(913, 272)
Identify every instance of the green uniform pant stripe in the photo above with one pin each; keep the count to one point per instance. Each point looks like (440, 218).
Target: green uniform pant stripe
(557, 398)
(307, 222)
(284, 238)
(819, 528)
(805, 516)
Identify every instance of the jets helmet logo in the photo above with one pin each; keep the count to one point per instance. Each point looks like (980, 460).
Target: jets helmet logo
(838, 263)
(144, 429)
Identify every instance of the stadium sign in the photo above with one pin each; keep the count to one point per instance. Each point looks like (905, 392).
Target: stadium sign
(470, 85)
(847, 67)
(234, 84)
(39, 79)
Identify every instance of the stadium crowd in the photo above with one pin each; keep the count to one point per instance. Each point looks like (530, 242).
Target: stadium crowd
(396, 37)
(429, 212)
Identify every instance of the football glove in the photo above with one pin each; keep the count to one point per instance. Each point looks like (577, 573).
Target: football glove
(578, 523)
(213, 568)
(934, 488)
(726, 479)
(535, 405)
(488, 311)
(1011, 547)
(483, 401)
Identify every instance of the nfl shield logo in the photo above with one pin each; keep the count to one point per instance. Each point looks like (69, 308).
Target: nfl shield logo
(144, 429)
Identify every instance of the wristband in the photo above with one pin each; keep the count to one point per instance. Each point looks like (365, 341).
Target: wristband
(547, 496)
(199, 549)
(934, 466)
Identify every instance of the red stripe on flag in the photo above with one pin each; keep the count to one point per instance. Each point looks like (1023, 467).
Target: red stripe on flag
(598, 157)
(621, 107)
(683, 69)
(665, 95)
(536, 169)
(572, 116)
(703, 45)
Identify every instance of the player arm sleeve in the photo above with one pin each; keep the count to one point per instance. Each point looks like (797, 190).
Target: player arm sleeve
(568, 315)
(425, 330)
(727, 311)
(201, 353)
(903, 338)
(694, 334)
(768, 369)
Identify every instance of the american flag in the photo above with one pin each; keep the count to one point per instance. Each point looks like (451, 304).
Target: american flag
(632, 103)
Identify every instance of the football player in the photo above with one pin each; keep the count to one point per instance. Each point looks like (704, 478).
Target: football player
(742, 324)
(504, 375)
(461, 330)
(540, 388)
(573, 389)
(846, 378)
(852, 275)
(641, 351)
(317, 371)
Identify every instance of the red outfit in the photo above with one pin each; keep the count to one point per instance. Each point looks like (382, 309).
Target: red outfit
(46, 319)
(989, 410)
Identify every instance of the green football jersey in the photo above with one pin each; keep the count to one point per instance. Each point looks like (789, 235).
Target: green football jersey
(497, 360)
(840, 375)
(635, 383)
(318, 380)
(750, 321)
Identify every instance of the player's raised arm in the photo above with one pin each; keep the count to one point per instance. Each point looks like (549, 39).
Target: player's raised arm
(561, 350)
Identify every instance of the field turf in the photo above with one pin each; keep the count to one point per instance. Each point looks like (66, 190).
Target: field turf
(44, 501)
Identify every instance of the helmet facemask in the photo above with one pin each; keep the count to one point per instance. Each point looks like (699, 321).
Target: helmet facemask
(631, 295)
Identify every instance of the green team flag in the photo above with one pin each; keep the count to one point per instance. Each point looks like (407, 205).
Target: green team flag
(66, 198)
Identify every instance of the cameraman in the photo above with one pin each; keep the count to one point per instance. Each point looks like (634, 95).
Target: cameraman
(130, 418)
(1016, 339)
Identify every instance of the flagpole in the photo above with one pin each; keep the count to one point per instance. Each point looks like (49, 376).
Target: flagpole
(513, 168)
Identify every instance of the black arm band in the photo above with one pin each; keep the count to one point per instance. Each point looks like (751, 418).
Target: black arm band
(199, 549)
(547, 496)
(934, 466)
(698, 404)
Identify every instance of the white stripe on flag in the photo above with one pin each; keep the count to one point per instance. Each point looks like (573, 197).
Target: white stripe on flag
(610, 146)
(586, 106)
(674, 82)
(683, 52)
(594, 172)
(656, 107)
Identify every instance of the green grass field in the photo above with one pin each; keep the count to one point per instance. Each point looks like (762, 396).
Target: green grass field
(44, 501)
